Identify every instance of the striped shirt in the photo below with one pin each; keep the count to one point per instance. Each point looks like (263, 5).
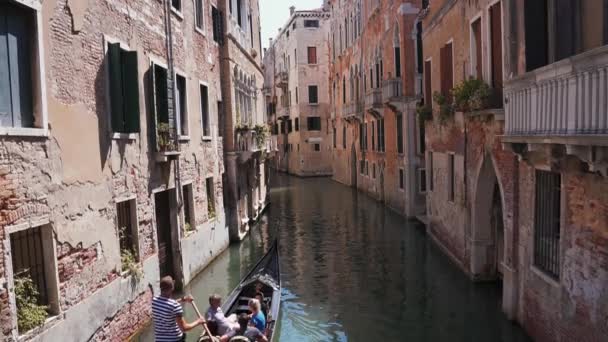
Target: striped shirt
(164, 313)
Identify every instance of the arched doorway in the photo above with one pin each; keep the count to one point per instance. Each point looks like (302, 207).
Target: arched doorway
(487, 231)
(353, 166)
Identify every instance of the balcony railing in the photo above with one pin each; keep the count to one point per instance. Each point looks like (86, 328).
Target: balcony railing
(352, 110)
(247, 141)
(373, 100)
(282, 78)
(392, 90)
(283, 112)
(567, 98)
(166, 142)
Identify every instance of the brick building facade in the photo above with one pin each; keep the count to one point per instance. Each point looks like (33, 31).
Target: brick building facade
(515, 179)
(107, 154)
(296, 76)
(375, 85)
(246, 137)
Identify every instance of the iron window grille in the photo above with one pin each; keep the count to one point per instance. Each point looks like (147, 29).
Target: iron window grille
(547, 213)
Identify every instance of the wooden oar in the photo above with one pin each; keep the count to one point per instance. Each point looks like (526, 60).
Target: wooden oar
(201, 316)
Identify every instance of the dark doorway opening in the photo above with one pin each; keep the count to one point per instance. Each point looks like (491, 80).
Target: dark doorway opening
(162, 202)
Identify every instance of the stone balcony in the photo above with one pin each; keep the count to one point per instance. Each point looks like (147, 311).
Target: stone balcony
(352, 110)
(392, 90)
(248, 145)
(282, 79)
(283, 113)
(373, 102)
(562, 104)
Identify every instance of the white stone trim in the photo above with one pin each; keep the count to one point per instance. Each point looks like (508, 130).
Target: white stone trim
(50, 266)
(134, 223)
(472, 55)
(178, 72)
(40, 82)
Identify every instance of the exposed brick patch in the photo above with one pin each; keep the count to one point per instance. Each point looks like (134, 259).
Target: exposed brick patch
(131, 318)
(77, 276)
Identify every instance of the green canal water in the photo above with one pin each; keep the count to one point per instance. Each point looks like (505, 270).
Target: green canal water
(353, 270)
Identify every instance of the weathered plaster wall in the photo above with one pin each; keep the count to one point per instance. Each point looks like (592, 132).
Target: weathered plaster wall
(383, 27)
(74, 177)
(575, 306)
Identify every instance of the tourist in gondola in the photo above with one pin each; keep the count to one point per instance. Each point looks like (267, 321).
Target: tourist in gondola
(260, 296)
(168, 314)
(252, 334)
(257, 318)
(215, 314)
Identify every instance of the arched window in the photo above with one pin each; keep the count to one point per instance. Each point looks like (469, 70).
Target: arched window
(397, 50)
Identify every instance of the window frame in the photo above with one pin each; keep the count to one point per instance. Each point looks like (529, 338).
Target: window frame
(39, 81)
(540, 269)
(309, 125)
(117, 135)
(311, 58)
(178, 12)
(50, 266)
(178, 116)
(309, 21)
(191, 210)
(213, 202)
(132, 199)
(451, 175)
(199, 27)
(473, 47)
(421, 174)
(429, 174)
(316, 87)
(203, 135)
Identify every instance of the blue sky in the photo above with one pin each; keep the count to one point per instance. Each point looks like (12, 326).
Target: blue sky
(274, 14)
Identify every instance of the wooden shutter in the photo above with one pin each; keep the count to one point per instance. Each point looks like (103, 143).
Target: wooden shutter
(16, 104)
(496, 31)
(312, 55)
(130, 87)
(447, 76)
(6, 109)
(116, 92)
(428, 96)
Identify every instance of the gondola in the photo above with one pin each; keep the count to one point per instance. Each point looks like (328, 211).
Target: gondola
(264, 277)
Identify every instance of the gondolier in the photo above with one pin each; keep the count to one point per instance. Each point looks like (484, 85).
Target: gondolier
(168, 315)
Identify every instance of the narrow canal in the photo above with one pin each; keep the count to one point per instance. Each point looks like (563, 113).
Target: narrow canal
(353, 270)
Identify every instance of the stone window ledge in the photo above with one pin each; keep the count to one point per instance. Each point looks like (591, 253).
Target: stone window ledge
(207, 138)
(125, 136)
(24, 132)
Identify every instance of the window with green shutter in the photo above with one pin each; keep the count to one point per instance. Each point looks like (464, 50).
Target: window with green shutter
(17, 34)
(124, 89)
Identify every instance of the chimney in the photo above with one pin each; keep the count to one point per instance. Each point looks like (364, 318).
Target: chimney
(292, 9)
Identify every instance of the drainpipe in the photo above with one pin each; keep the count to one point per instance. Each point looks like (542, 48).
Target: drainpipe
(179, 274)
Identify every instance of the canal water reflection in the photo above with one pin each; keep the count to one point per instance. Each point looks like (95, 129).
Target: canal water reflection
(353, 270)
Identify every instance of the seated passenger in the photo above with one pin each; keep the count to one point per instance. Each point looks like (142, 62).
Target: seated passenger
(258, 319)
(260, 296)
(251, 333)
(215, 314)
